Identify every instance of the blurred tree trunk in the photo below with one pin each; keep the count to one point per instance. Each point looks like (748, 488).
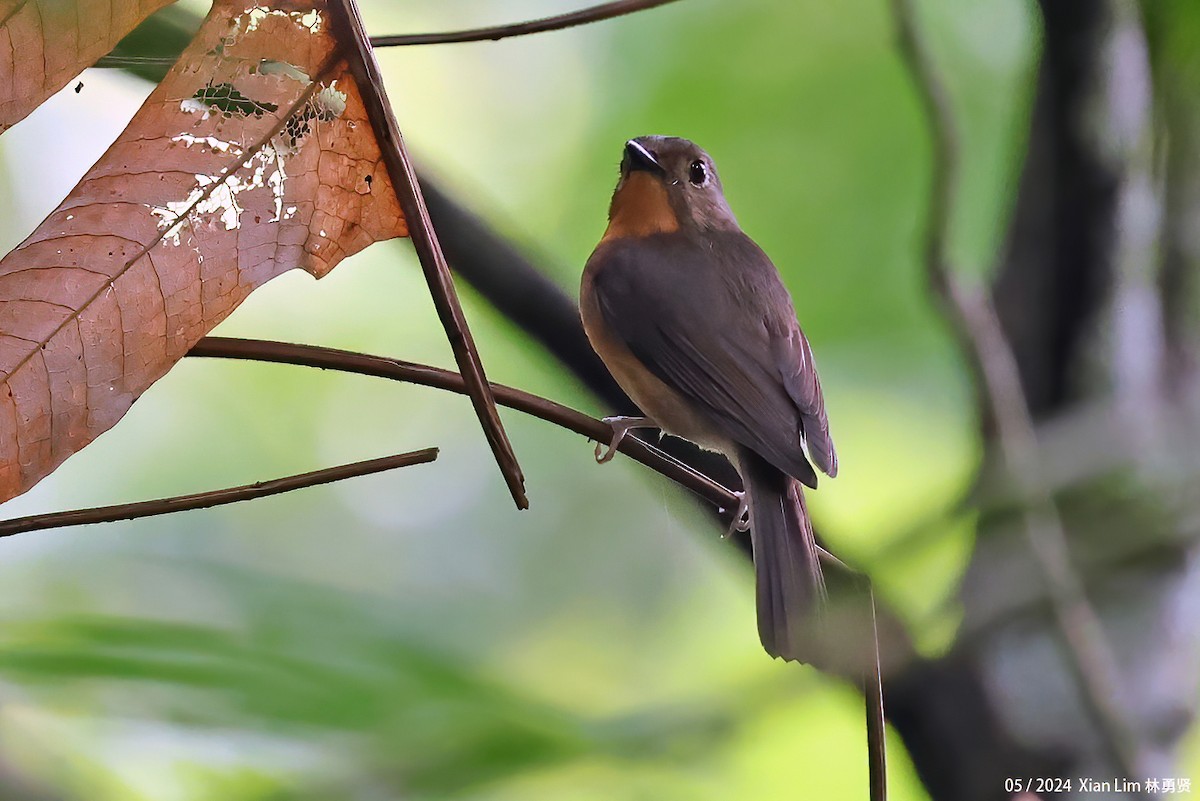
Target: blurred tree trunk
(1103, 330)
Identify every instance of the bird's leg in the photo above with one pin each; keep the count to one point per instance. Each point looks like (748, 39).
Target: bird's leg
(741, 518)
(620, 427)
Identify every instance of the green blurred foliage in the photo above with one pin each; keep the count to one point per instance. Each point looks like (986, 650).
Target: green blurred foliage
(412, 635)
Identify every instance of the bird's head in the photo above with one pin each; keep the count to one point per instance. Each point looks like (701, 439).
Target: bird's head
(667, 184)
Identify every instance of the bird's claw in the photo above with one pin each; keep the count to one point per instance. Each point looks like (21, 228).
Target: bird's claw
(605, 453)
(741, 518)
(620, 427)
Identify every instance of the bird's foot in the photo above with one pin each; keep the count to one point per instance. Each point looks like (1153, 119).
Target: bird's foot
(741, 518)
(620, 427)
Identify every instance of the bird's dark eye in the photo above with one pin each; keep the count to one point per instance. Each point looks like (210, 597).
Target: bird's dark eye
(697, 172)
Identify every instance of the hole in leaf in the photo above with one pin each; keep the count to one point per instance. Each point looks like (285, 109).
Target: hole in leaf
(224, 97)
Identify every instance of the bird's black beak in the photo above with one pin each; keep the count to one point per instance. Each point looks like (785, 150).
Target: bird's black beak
(639, 158)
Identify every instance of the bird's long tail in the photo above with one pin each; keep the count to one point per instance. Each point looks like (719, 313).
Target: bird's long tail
(790, 587)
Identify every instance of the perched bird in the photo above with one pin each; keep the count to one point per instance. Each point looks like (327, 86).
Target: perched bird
(695, 324)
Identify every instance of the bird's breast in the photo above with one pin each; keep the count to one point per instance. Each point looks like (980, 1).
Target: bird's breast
(670, 410)
(640, 207)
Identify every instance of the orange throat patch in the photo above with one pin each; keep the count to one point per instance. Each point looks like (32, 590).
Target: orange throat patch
(640, 208)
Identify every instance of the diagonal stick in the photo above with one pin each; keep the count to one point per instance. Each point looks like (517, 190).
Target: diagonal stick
(433, 263)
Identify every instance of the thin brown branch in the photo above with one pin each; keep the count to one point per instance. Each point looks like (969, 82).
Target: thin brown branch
(258, 350)
(425, 241)
(534, 405)
(205, 500)
(876, 714)
(494, 33)
(973, 317)
(395, 370)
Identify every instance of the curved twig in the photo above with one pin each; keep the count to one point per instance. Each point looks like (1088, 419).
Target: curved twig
(397, 370)
(205, 500)
(492, 33)
(497, 32)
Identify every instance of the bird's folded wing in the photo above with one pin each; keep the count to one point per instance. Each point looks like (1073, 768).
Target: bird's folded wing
(672, 308)
(794, 359)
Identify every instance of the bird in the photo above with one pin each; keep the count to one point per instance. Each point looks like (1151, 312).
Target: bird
(694, 322)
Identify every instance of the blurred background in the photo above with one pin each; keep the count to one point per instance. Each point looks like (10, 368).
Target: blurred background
(412, 636)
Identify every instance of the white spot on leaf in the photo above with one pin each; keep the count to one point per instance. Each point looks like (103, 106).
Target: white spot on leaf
(194, 106)
(212, 141)
(221, 202)
(255, 16)
(209, 203)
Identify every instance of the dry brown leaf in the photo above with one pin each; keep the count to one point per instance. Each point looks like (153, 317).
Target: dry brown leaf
(45, 43)
(252, 157)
